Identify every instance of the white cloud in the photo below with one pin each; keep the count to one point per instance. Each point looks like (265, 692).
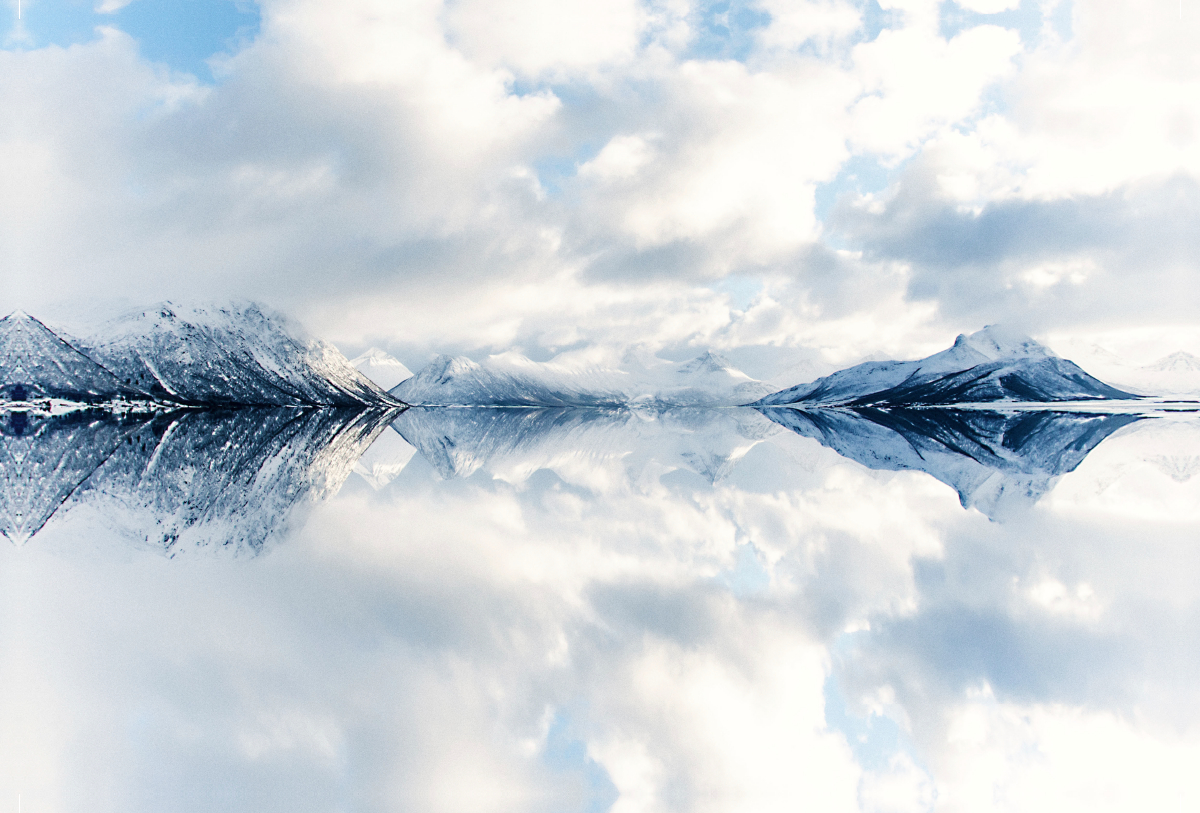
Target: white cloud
(795, 23)
(989, 6)
(548, 36)
(1009, 757)
(621, 159)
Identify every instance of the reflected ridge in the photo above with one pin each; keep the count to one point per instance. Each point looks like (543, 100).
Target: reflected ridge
(194, 478)
(995, 461)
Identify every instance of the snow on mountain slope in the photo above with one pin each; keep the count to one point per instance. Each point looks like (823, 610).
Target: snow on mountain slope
(988, 366)
(382, 368)
(510, 379)
(228, 356)
(35, 362)
(1174, 376)
(997, 462)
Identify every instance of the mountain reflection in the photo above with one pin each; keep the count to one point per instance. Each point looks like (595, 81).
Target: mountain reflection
(460, 441)
(996, 461)
(231, 477)
(187, 477)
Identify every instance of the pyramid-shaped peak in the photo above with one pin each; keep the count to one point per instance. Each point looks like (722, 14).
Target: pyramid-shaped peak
(999, 342)
(709, 362)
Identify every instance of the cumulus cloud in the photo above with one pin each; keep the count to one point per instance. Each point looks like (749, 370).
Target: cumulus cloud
(1046, 263)
(428, 153)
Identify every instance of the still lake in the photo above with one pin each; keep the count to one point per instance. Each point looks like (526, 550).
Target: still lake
(559, 610)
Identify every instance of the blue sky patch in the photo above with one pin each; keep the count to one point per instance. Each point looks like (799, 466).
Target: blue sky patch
(1026, 20)
(862, 174)
(726, 30)
(566, 754)
(180, 33)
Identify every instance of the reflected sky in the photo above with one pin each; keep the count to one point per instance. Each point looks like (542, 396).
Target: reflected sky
(689, 609)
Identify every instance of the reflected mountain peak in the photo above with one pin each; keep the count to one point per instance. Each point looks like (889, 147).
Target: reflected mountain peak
(186, 478)
(997, 462)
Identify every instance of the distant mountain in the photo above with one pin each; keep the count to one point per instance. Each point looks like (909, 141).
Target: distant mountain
(382, 368)
(228, 356)
(179, 480)
(995, 461)
(1177, 362)
(513, 380)
(992, 365)
(37, 363)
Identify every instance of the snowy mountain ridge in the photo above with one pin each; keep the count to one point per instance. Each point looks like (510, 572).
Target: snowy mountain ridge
(228, 355)
(511, 379)
(197, 356)
(991, 365)
(36, 363)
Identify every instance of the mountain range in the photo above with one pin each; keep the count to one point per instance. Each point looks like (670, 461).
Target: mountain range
(512, 380)
(989, 366)
(231, 356)
(210, 425)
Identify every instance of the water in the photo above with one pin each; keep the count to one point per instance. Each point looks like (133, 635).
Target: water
(533, 609)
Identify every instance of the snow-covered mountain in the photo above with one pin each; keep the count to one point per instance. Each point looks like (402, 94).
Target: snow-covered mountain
(37, 363)
(988, 366)
(228, 356)
(1174, 376)
(179, 480)
(996, 461)
(381, 367)
(512, 380)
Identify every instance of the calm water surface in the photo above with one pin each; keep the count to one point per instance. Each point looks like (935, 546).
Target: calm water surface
(561, 610)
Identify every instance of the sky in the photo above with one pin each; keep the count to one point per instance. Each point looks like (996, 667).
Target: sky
(776, 178)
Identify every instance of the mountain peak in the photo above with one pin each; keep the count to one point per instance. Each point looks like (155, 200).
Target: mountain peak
(993, 364)
(996, 342)
(707, 362)
(381, 367)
